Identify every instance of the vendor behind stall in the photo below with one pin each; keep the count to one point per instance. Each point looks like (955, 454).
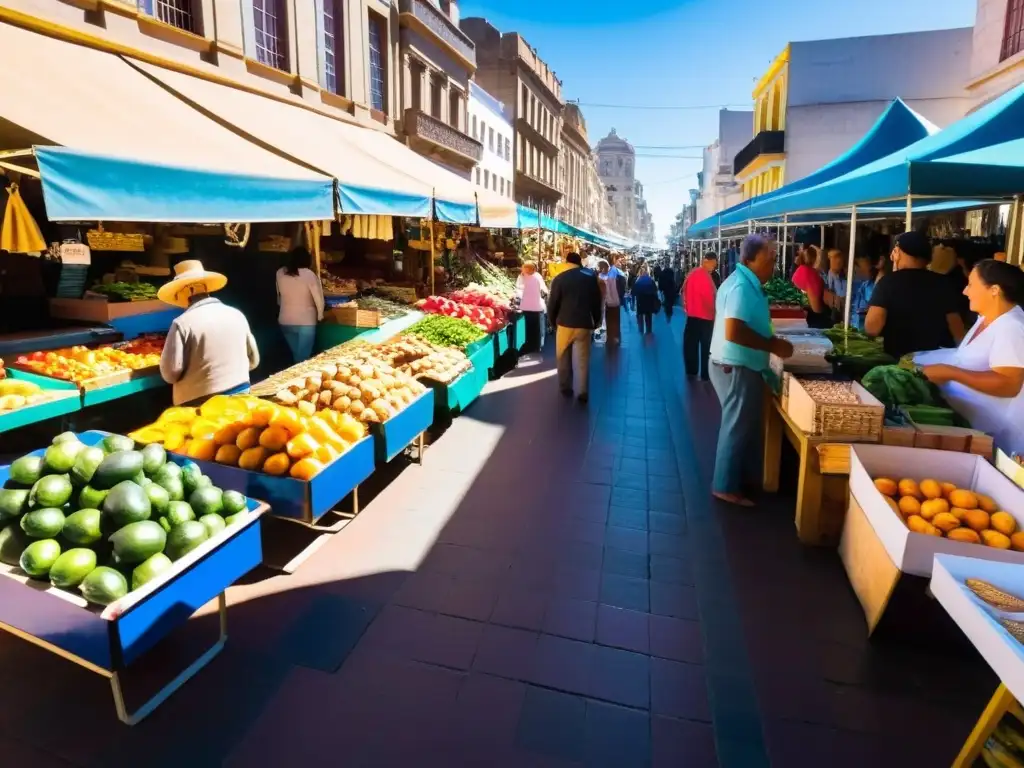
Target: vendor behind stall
(983, 378)
(209, 349)
(914, 309)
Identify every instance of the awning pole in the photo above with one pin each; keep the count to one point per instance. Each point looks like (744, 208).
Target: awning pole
(785, 241)
(849, 268)
(910, 215)
(432, 256)
(718, 245)
(822, 228)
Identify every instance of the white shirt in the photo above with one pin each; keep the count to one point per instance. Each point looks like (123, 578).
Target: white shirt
(301, 298)
(531, 290)
(1000, 346)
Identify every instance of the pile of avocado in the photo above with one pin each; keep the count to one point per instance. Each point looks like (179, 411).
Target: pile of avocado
(107, 519)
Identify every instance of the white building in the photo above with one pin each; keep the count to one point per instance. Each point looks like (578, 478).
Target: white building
(616, 167)
(997, 53)
(718, 187)
(490, 123)
(820, 97)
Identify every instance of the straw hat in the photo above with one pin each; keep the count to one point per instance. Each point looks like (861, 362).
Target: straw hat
(190, 278)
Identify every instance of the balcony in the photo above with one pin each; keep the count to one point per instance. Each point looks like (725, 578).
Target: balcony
(426, 17)
(764, 143)
(438, 136)
(538, 139)
(530, 186)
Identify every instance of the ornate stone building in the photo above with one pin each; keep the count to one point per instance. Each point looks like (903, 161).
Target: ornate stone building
(574, 162)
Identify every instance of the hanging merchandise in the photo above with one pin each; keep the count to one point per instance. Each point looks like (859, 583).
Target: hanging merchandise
(20, 233)
(368, 227)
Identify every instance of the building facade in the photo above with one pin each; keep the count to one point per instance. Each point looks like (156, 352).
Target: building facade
(574, 163)
(338, 56)
(490, 123)
(509, 69)
(819, 97)
(437, 64)
(997, 52)
(616, 165)
(718, 186)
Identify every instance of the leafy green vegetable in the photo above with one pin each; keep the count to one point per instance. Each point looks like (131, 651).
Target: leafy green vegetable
(784, 293)
(126, 291)
(447, 331)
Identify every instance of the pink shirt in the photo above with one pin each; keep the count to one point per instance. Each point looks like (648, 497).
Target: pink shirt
(808, 280)
(699, 295)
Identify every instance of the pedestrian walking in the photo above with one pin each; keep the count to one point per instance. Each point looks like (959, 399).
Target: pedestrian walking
(574, 308)
(614, 289)
(699, 306)
(530, 290)
(301, 299)
(740, 346)
(645, 292)
(669, 290)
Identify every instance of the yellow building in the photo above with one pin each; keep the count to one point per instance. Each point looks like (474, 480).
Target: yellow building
(760, 166)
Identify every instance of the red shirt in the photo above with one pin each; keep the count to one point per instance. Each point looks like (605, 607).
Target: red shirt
(699, 295)
(808, 280)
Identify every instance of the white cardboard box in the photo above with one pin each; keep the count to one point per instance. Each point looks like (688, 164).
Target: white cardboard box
(913, 553)
(978, 621)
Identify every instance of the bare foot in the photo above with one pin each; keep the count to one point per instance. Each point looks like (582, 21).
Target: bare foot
(734, 498)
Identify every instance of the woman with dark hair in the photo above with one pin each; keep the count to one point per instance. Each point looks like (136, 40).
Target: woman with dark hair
(645, 291)
(807, 278)
(983, 378)
(301, 298)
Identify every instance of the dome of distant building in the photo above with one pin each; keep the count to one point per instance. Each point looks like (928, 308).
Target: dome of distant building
(614, 143)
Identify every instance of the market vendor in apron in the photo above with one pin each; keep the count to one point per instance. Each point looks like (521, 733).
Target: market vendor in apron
(983, 378)
(210, 348)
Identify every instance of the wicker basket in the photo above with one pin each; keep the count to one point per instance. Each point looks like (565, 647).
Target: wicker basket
(275, 244)
(844, 422)
(352, 315)
(100, 240)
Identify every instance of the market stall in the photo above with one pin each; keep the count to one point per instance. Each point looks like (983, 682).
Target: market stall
(104, 602)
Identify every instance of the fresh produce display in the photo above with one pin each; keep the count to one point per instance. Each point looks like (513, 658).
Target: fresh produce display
(1005, 747)
(783, 293)
(126, 291)
(418, 358)
(78, 364)
(487, 319)
(480, 296)
(99, 519)
(935, 508)
(479, 273)
(15, 394)
(260, 436)
(838, 392)
(389, 310)
(336, 286)
(933, 415)
(896, 386)
(447, 331)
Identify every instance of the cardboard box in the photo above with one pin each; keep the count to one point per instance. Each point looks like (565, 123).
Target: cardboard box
(913, 553)
(1009, 467)
(978, 620)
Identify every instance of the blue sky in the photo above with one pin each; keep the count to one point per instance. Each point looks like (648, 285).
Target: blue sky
(694, 52)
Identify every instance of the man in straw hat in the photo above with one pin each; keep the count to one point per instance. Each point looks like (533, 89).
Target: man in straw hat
(210, 349)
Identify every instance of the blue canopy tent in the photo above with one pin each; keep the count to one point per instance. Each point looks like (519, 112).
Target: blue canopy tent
(898, 126)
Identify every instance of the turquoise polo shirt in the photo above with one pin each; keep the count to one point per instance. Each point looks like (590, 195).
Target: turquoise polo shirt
(741, 297)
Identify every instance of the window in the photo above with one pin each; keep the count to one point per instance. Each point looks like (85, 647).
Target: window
(501, 186)
(334, 80)
(416, 91)
(474, 126)
(478, 175)
(487, 178)
(1013, 33)
(177, 13)
(455, 109)
(268, 20)
(435, 97)
(524, 109)
(508, 149)
(378, 63)
(494, 182)
(490, 139)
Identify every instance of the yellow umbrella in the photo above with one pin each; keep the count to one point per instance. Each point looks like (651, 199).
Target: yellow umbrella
(19, 233)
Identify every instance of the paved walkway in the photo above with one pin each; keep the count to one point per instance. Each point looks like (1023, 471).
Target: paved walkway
(553, 587)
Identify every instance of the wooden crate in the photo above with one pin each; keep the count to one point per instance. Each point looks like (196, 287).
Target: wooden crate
(352, 315)
(860, 422)
(100, 310)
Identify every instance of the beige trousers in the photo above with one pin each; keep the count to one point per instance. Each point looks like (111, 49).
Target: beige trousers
(572, 349)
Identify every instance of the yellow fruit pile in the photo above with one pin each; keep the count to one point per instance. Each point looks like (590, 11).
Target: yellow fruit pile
(256, 435)
(941, 509)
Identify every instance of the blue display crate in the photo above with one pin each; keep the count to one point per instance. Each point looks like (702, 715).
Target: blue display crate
(453, 398)
(481, 353)
(107, 640)
(500, 342)
(133, 326)
(519, 331)
(69, 402)
(295, 499)
(398, 433)
(124, 389)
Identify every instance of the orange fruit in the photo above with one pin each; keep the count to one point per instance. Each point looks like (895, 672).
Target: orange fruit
(910, 488)
(931, 489)
(909, 506)
(886, 486)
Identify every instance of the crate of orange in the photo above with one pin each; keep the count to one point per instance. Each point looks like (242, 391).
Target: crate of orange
(302, 463)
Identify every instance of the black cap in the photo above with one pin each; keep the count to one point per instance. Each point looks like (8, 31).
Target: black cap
(915, 245)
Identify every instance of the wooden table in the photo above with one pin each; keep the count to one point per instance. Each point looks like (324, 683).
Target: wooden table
(821, 490)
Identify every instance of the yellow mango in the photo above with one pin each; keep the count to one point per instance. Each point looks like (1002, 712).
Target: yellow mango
(252, 458)
(303, 445)
(248, 438)
(306, 469)
(274, 439)
(202, 449)
(228, 454)
(278, 464)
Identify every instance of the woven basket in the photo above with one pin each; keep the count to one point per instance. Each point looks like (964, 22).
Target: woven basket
(100, 240)
(844, 422)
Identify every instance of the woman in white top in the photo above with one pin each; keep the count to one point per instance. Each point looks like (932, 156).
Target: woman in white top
(983, 378)
(531, 291)
(301, 298)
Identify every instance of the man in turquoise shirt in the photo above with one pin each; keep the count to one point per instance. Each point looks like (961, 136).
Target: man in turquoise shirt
(740, 347)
